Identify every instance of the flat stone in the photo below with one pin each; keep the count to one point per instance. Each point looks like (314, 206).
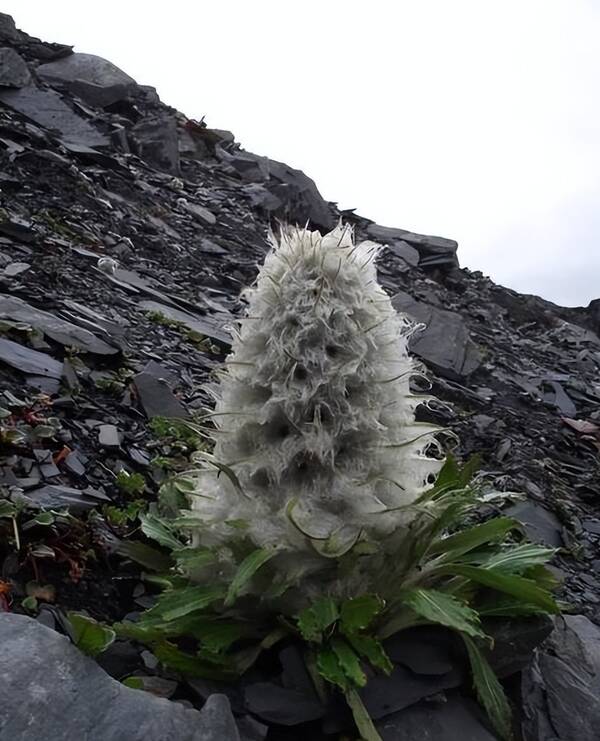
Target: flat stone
(52, 496)
(201, 214)
(445, 343)
(514, 641)
(591, 526)
(404, 250)
(541, 525)
(16, 268)
(156, 397)
(423, 650)
(276, 704)
(108, 436)
(384, 695)
(158, 142)
(49, 684)
(74, 463)
(94, 79)
(455, 719)
(205, 325)
(8, 30)
(433, 251)
(47, 109)
(297, 193)
(561, 688)
(13, 69)
(29, 361)
(54, 327)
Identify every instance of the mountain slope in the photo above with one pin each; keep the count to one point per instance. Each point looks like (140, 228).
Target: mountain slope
(95, 166)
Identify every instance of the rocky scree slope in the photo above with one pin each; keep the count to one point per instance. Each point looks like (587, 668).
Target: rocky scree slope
(95, 166)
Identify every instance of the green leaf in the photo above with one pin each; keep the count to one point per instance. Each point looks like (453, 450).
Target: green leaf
(134, 683)
(227, 470)
(372, 650)
(246, 570)
(349, 662)
(364, 724)
(188, 665)
(157, 529)
(438, 607)
(329, 667)
(89, 635)
(509, 607)
(219, 635)
(145, 555)
(7, 509)
(358, 613)
(489, 690)
(175, 603)
(30, 604)
(449, 474)
(314, 620)
(525, 590)
(190, 559)
(491, 531)
(519, 558)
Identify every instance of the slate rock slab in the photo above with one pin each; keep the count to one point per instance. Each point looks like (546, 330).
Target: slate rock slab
(53, 496)
(50, 690)
(47, 109)
(13, 69)
(8, 30)
(56, 328)
(561, 687)
(433, 251)
(541, 525)
(92, 78)
(29, 361)
(445, 343)
(456, 719)
(384, 695)
(156, 397)
(158, 142)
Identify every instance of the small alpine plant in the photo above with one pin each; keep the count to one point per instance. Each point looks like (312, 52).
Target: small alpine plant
(324, 513)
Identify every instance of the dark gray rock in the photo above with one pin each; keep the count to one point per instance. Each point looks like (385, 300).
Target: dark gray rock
(404, 251)
(108, 436)
(27, 360)
(58, 329)
(445, 343)
(206, 325)
(52, 690)
(541, 525)
(94, 79)
(423, 650)
(13, 69)
(201, 214)
(455, 719)
(514, 642)
(276, 704)
(561, 688)
(298, 194)
(157, 142)
(47, 109)
(54, 497)
(433, 251)
(8, 30)
(384, 695)
(156, 397)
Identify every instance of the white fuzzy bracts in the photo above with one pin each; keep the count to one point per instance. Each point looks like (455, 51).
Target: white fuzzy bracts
(313, 410)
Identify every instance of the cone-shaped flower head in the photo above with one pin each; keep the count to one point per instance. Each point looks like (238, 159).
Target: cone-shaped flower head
(314, 412)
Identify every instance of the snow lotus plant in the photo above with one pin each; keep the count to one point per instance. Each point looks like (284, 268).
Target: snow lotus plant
(324, 512)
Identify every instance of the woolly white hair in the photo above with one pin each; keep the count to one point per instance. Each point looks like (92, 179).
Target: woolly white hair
(313, 409)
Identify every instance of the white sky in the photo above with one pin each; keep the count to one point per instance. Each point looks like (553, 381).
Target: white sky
(477, 120)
